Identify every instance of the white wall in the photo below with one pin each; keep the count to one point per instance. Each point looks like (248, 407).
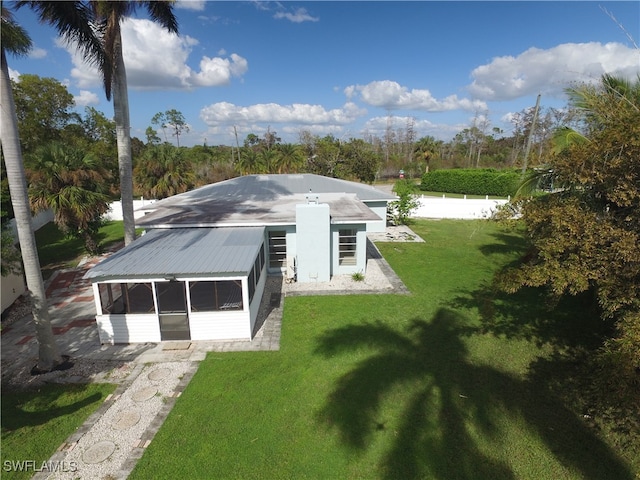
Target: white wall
(12, 287)
(115, 209)
(456, 208)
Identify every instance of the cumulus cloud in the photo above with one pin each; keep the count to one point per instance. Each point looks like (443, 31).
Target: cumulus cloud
(300, 15)
(393, 96)
(157, 59)
(14, 75)
(269, 113)
(37, 53)
(86, 98)
(552, 70)
(197, 5)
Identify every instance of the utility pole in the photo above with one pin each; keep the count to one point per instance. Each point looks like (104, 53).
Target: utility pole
(531, 131)
(235, 131)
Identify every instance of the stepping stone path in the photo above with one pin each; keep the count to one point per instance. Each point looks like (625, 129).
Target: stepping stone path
(127, 419)
(144, 394)
(98, 452)
(159, 374)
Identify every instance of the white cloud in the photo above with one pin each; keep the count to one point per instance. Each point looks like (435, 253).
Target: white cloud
(551, 71)
(197, 5)
(157, 59)
(86, 98)
(37, 53)
(14, 75)
(300, 15)
(392, 96)
(269, 113)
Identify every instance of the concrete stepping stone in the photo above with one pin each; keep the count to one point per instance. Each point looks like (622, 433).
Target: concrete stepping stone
(98, 452)
(159, 374)
(126, 419)
(144, 394)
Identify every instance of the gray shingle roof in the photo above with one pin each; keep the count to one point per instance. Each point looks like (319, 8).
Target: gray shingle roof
(183, 252)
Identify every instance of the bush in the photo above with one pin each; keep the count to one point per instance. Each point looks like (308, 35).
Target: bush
(476, 181)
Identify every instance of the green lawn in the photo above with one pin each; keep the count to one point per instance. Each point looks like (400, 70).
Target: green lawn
(57, 250)
(451, 382)
(36, 423)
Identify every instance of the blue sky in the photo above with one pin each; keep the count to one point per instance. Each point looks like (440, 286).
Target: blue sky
(350, 69)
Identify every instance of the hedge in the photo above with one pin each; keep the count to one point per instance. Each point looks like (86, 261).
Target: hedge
(472, 181)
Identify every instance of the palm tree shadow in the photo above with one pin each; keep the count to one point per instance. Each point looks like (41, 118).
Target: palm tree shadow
(454, 401)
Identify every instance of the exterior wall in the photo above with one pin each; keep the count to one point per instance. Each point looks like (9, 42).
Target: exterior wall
(12, 287)
(380, 209)
(132, 328)
(313, 242)
(219, 325)
(257, 299)
(361, 250)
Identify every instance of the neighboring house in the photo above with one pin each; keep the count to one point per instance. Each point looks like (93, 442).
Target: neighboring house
(199, 270)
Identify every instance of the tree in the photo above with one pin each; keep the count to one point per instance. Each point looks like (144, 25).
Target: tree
(152, 136)
(163, 171)
(401, 209)
(360, 160)
(102, 19)
(44, 108)
(585, 236)
(73, 185)
(170, 119)
(15, 40)
(290, 158)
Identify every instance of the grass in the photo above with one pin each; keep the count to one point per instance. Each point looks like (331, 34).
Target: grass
(442, 384)
(36, 423)
(56, 250)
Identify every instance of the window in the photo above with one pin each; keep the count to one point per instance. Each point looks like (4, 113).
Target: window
(120, 298)
(278, 250)
(347, 240)
(211, 296)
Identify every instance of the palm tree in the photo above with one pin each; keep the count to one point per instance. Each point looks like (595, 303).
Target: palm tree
(290, 158)
(104, 23)
(163, 171)
(72, 184)
(16, 41)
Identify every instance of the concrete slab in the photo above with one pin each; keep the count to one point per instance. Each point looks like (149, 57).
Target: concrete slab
(176, 345)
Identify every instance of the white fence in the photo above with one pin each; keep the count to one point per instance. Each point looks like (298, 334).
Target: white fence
(38, 221)
(115, 209)
(456, 208)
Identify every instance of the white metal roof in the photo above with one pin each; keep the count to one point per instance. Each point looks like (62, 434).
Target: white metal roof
(263, 200)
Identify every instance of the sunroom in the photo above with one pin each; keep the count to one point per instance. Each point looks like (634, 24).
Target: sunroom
(181, 284)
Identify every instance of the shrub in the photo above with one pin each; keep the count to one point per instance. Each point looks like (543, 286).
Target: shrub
(476, 181)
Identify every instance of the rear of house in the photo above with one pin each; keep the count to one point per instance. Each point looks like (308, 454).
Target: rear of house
(199, 271)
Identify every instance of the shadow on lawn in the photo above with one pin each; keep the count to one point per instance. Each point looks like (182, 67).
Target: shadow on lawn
(455, 401)
(29, 409)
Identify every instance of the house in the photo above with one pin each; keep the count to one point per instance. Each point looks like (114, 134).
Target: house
(199, 271)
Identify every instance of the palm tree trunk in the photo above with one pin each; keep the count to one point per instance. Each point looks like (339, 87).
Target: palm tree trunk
(123, 139)
(48, 353)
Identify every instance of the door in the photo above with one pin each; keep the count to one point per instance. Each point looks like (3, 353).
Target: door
(172, 307)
